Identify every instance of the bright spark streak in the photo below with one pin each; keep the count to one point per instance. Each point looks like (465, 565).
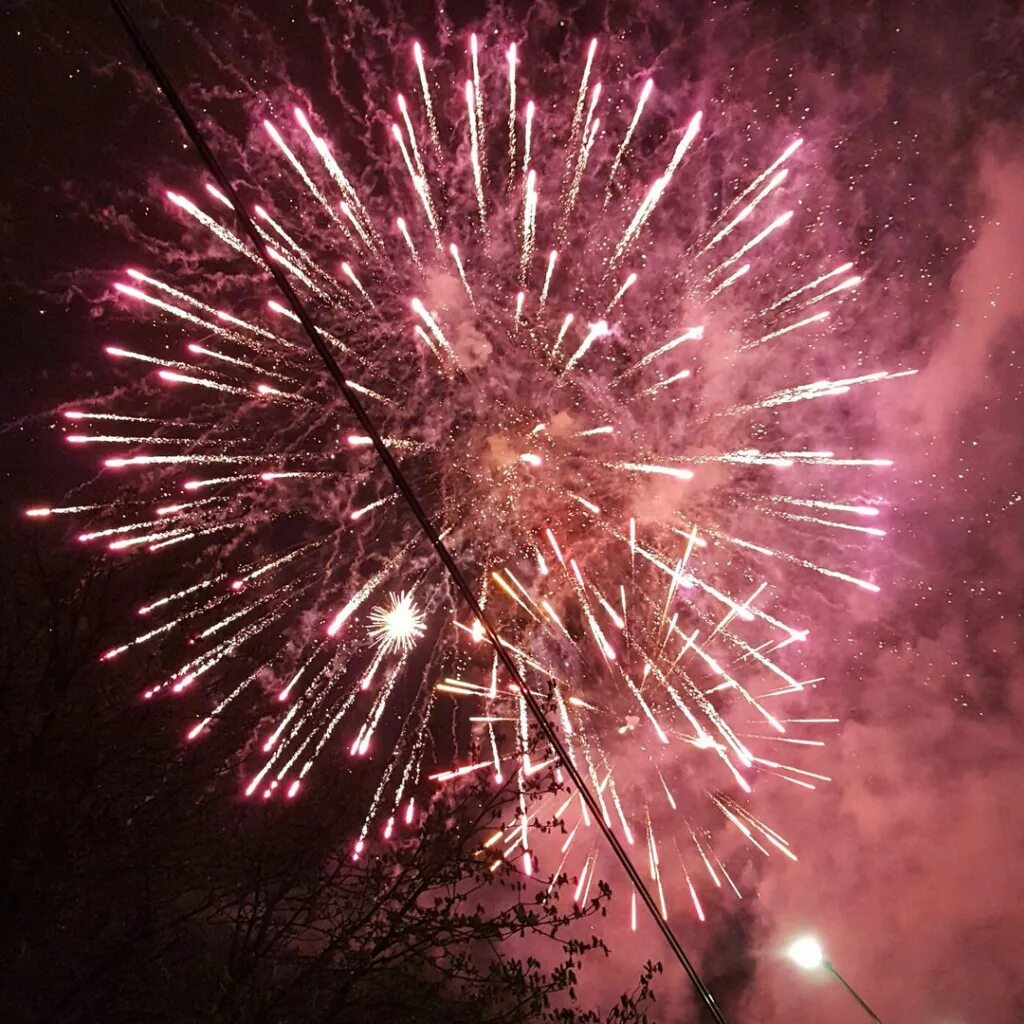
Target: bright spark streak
(624, 287)
(529, 224)
(816, 318)
(511, 55)
(641, 103)
(748, 209)
(597, 330)
(645, 467)
(347, 270)
(424, 314)
(552, 257)
(806, 287)
(454, 250)
(656, 191)
(664, 383)
(589, 138)
(302, 173)
(858, 510)
(404, 231)
(577, 117)
(786, 154)
(779, 222)
(358, 598)
(474, 157)
(419, 185)
(403, 109)
(528, 137)
(417, 52)
(360, 512)
(566, 324)
(477, 92)
(730, 280)
(334, 169)
(843, 286)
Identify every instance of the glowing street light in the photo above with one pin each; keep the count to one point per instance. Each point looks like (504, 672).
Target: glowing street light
(806, 952)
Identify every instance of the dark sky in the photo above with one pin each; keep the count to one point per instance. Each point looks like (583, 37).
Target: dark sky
(909, 863)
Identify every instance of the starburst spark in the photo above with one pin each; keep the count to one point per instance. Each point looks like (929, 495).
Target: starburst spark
(604, 449)
(397, 625)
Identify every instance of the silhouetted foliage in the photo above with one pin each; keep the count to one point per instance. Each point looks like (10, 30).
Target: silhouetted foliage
(142, 888)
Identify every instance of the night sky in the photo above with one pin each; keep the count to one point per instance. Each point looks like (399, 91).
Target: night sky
(909, 861)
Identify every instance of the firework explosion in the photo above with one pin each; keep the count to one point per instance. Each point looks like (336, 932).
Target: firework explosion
(583, 364)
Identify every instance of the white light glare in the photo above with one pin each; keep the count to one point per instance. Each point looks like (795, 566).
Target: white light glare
(806, 952)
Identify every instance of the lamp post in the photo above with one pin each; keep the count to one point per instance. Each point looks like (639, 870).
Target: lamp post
(807, 953)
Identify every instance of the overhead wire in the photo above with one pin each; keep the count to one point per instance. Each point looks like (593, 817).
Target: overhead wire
(455, 573)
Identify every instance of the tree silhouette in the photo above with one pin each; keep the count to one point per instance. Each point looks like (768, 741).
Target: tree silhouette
(143, 889)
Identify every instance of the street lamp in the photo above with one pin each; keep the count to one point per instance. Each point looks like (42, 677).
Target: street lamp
(806, 952)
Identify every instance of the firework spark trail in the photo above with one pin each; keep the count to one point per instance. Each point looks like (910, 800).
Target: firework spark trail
(417, 52)
(595, 97)
(347, 270)
(474, 156)
(566, 324)
(128, 439)
(786, 299)
(552, 258)
(410, 131)
(200, 350)
(276, 307)
(328, 208)
(429, 342)
(766, 173)
(229, 238)
(781, 221)
(649, 639)
(657, 190)
(362, 741)
(771, 336)
(690, 334)
(334, 169)
(577, 117)
(624, 145)
(590, 130)
(623, 288)
(307, 261)
(747, 210)
(419, 184)
(818, 389)
(729, 281)
(381, 791)
(597, 330)
(529, 224)
(528, 137)
(512, 60)
(479, 96)
(407, 238)
(73, 414)
(226, 317)
(362, 594)
(663, 383)
(859, 510)
(177, 311)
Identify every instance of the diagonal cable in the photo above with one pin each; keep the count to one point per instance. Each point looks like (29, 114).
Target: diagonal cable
(354, 403)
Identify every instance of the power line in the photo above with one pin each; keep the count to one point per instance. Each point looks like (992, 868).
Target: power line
(335, 371)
